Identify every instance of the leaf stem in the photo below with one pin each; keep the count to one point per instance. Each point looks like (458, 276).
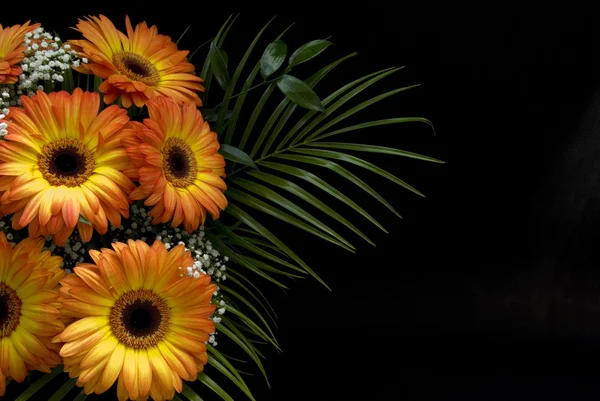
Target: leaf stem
(244, 92)
(269, 155)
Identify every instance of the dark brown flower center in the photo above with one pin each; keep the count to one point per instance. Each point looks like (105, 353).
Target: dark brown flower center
(136, 68)
(10, 310)
(140, 318)
(66, 162)
(179, 163)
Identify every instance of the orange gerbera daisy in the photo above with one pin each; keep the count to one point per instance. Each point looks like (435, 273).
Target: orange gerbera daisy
(139, 321)
(29, 309)
(137, 66)
(12, 50)
(61, 160)
(177, 165)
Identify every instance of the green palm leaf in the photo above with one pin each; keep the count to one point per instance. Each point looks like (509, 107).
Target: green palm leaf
(39, 384)
(287, 142)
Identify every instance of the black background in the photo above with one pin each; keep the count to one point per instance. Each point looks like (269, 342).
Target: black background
(488, 288)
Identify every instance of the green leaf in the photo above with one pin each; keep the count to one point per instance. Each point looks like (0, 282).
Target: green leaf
(230, 291)
(239, 259)
(344, 99)
(212, 361)
(261, 243)
(247, 85)
(309, 198)
(202, 377)
(183, 34)
(237, 329)
(322, 184)
(207, 71)
(176, 398)
(81, 396)
(254, 327)
(375, 149)
(189, 393)
(82, 219)
(279, 200)
(308, 51)
(366, 165)
(243, 241)
(68, 84)
(198, 48)
(238, 213)
(267, 126)
(377, 123)
(63, 390)
(225, 361)
(330, 109)
(97, 82)
(48, 86)
(356, 109)
(272, 58)
(292, 133)
(244, 345)
(39, 383)
(299, 93)
(236, 155)
(256, 113)
(236, 75)
(260, 264)
(212, 115)
(311, 82)
(218, 64)
(316, 161)
(234, 278)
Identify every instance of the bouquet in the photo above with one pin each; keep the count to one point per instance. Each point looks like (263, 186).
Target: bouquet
(141, 218)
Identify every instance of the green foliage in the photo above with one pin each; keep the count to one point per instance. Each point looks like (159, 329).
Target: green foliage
(269, 157)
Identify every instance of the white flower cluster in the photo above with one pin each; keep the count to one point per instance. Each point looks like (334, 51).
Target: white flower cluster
(5, 227)
(7, 98)
(45, 63)
(46, 60)
(73, 252)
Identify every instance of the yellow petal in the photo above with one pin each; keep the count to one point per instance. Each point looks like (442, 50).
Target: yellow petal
(160, 369)
(112, 369)
(144, 372)
(173, 362)
(101, 351)
(130, 375)
(18, 370)
(83, 344)
(84, 327)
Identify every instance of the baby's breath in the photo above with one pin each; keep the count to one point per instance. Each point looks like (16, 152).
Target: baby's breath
(45, 63)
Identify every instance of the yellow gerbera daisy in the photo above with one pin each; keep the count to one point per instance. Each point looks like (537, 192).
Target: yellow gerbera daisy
(12, 51)
(29, 309)
(137, 66)
(140, 320)
(62, 160)
(177, 164)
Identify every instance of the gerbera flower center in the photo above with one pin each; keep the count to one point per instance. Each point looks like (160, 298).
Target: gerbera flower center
(66, 162)
(136, 68)
(140, 318)
(179, 163)
(10, 310)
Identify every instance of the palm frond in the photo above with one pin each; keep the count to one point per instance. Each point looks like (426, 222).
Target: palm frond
(278, 152)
